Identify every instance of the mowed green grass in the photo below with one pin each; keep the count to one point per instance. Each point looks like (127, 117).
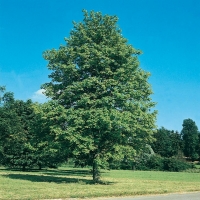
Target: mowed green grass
(77, 183)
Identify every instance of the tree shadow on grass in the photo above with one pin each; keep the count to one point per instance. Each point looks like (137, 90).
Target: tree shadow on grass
(54, 176)
(48, 179)
(71, 172)
(56, 172)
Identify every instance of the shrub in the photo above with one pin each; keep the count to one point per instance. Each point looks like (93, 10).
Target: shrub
(172, 164)
(155, 163)
(164, 164)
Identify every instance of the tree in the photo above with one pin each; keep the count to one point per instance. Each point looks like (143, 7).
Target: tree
(15, 119)
(28, 133)
(190, 136)
(167, 143)
(97, 78)
(177, 144)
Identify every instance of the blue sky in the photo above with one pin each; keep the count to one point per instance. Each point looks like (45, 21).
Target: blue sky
(167, 31)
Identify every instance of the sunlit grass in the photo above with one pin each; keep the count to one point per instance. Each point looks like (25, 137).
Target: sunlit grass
(77, 183)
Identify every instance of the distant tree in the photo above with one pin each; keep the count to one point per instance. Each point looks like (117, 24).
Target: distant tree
(2, 90)
(28, 133)
(167, 143)
(177, 144)
(96, 77)
(190, 136)
(15, 119)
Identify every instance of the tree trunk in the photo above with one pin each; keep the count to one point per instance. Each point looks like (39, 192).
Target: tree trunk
(95, 171)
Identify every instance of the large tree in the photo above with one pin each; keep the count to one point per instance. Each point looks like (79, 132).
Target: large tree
(190, 136)
(97, 78)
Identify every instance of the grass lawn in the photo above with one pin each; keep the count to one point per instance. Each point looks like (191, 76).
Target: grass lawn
(77, 183)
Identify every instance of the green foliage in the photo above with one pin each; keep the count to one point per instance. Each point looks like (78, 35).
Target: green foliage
(168, 143)
(190, 137)
(15, 119)
(96, 77)
(154, 163)
(164, 164)
(47, 129)
(175, 165)
(29, 133)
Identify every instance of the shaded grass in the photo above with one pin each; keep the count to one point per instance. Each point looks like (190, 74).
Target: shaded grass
(44, 178)
(77, 183)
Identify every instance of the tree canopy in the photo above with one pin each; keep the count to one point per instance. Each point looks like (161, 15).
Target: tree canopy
(190, 135)
(28, 133)
(15, 119)
(168, 143)
(97, 78)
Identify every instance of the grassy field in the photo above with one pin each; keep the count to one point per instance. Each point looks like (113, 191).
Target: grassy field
(77, 183)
